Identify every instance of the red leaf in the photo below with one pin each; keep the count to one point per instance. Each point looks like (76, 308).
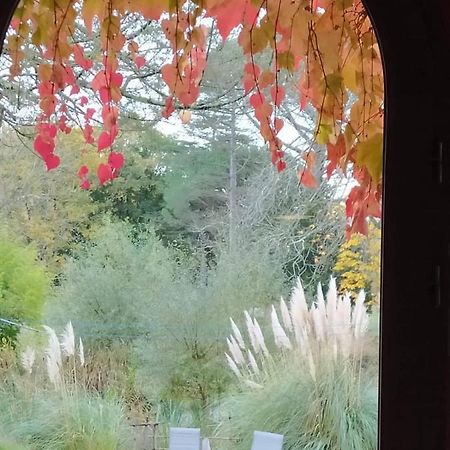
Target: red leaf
(52, 161)
(104, 173)
(83, 172)
(110, 115)
(116, 161)
(279, 123)
(89, 114)
(307, 178)
(256, 100)
(75, 89)
(80, 59)
(140, 61)
(83, 100)
(169, 74)
(88, 134)
(48, 105)
(281, 165)
(105, 95)
(99, 81)
(104, 141)
(334, 153)
(44, 147)
(47, 130)
(278, 93)
(190, 96)
(116, 79)
(169, 108)
(86, 184)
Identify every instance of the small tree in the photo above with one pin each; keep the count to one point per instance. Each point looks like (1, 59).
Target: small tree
(358, 263)
(23, 286)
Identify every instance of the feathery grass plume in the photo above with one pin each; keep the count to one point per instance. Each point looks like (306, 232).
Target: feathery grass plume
(81, 353)
(27, 358)
(321, 307)
(260, 338)
(331, 306)
(344, 325)
(280, 336)
(285, 315)
(53, 357)
(360, 319)
(252, 361)
(237, 334)
(335, 394)
(68, 340)
(329, 330)
(311, 365)
(251, 333)
(233, 365)
(299, 313)
(235, 351)
(317, 319)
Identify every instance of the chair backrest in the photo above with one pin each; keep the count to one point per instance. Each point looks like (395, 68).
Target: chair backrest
(184, 439)
(267, 441)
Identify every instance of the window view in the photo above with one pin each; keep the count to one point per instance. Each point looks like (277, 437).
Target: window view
(190, 225)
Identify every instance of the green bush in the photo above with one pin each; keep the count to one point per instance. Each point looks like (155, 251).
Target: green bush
(23, 285)
(111, 288)
(310, 378)
(77, 421)
(336, 412)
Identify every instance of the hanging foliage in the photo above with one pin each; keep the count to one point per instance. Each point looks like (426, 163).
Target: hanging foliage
(328, 46)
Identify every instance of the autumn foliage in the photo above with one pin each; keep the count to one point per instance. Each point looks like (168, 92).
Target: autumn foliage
(328, 46)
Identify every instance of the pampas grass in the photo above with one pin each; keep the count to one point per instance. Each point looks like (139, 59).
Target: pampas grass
(311, 386)
(68, 341)
(27, 359)
(332, 413)
(53, 357)
(326, 328)
(80, 421)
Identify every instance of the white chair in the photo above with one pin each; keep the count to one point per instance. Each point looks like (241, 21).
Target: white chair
(184, 439)
(267, 441)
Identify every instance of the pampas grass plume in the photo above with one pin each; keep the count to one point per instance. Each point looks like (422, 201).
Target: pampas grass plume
(280, 336)
(237, 334)
(28, 357)
(81, 353)
(68, 340)
(53, 357)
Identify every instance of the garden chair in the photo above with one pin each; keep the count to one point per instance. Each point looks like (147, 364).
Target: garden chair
(184, 439)
(267, 441)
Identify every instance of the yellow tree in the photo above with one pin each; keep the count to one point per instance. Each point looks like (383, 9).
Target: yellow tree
(358, 263)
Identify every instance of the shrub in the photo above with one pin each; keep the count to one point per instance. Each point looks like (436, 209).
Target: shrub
(48, 421)
(111, 289)
(309, 383)
(23, 285)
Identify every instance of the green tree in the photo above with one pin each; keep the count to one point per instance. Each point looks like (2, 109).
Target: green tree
(47, 209)
(23, 285)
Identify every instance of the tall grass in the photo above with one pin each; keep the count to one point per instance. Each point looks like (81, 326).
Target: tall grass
(308, 380)
(48, 407)
(49, 421)
(332, 413)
